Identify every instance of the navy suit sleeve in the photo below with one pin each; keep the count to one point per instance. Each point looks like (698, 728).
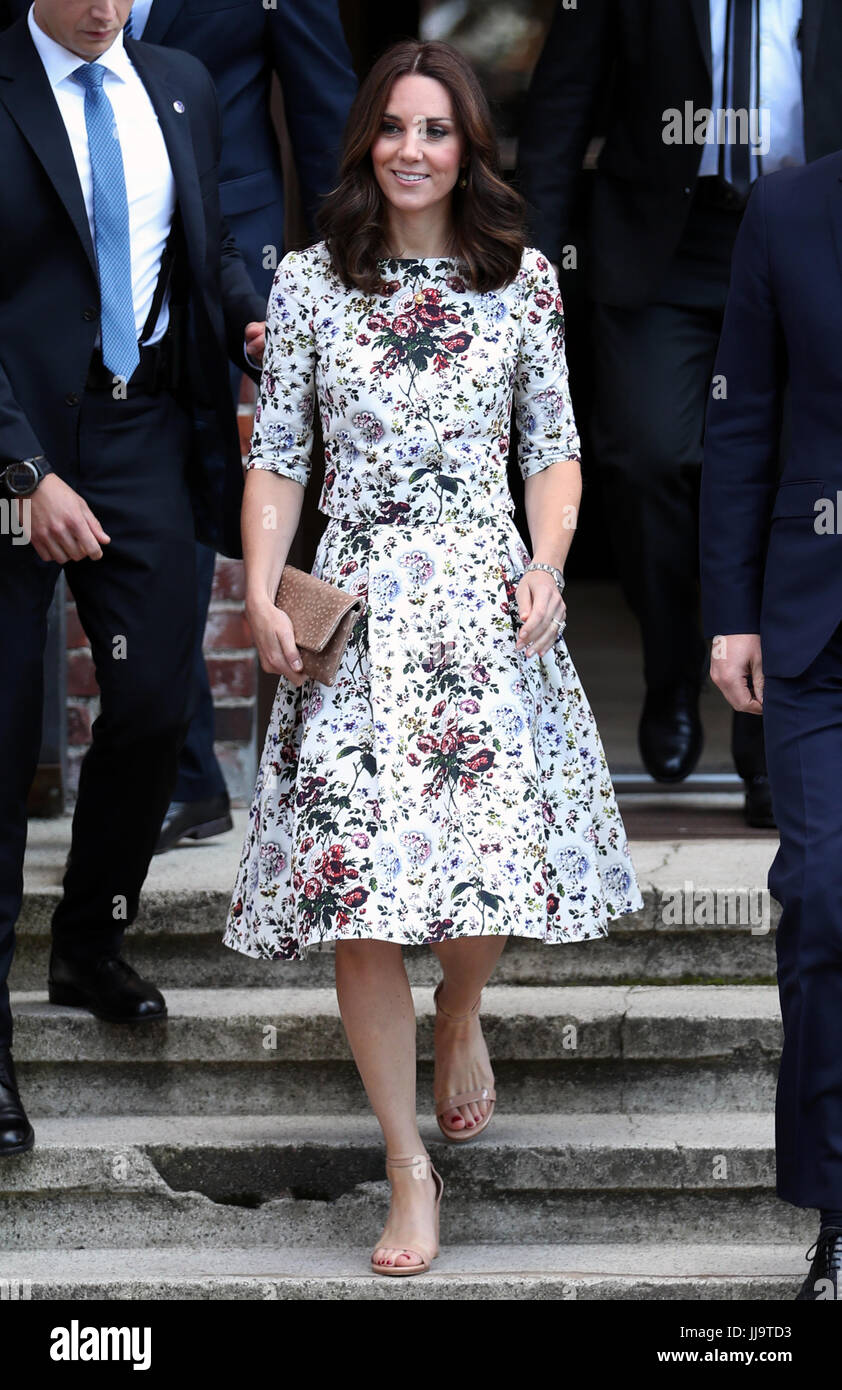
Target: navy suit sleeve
(318, 83)
(742, 431)
(558, 117)
(241, 303)
(17, 437)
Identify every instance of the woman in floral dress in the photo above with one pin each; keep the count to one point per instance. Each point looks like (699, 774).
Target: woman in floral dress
(450, 789)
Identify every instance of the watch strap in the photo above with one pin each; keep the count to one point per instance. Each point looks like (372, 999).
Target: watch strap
(39, 463)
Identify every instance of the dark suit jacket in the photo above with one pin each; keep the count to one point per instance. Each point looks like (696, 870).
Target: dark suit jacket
(49, 307)
(764, 567)
(642, 57)
(242, 44)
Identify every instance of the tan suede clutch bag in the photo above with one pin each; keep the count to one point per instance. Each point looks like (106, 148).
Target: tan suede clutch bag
(322, 617)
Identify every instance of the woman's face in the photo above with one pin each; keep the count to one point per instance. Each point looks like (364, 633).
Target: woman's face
(416, 156)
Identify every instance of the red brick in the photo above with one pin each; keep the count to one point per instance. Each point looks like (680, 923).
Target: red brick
(234, 723)
(76, 635)
(227, 629)
(78, 725)
(80, 674)
(235, 676)
(228, 579)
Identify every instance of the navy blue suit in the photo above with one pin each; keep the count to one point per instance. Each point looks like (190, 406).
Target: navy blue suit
(242, 44)
(768, 568)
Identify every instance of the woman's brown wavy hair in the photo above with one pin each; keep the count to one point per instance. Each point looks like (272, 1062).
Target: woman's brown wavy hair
(488, 215)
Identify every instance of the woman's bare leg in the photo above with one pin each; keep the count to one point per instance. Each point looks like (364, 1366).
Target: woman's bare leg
(462, 1061)
(375, 1002)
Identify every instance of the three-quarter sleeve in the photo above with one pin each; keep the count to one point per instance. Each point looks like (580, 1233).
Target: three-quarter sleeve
(543, 411)
(283, 419)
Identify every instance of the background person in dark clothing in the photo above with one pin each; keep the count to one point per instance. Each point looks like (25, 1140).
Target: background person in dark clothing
(771, 567)
(662, 225)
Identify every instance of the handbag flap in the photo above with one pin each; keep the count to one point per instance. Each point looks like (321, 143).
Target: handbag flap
(314, 607)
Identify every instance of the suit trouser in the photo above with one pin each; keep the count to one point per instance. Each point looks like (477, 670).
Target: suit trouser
(652, 372)
(137, 606)
(803, 731)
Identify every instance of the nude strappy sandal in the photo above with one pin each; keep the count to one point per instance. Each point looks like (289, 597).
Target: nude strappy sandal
(488, 1093)
(412, 1161)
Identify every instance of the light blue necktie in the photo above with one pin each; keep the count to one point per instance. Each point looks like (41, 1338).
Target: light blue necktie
(111, 226)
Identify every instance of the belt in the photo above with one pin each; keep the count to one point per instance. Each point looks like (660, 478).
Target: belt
(711, 191)
(151, 373)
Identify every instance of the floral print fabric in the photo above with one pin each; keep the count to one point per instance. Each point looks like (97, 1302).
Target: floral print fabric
(446, 785)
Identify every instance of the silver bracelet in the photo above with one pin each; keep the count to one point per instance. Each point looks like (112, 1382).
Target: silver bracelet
(551, 569)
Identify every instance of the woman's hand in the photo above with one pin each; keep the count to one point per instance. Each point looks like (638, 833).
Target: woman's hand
(538, 602)
(274, 639)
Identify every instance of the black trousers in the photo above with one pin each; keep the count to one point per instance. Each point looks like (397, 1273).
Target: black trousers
(137, 605)
(803, 725)
(652, 373)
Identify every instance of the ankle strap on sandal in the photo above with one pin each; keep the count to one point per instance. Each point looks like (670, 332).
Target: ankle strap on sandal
(458, 1018)
(417, 1161)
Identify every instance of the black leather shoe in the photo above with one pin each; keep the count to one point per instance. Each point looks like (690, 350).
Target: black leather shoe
(670, 734)
(16, 1133)
(825, 1278)
(758, 807)
(109, 988)
(194, 820)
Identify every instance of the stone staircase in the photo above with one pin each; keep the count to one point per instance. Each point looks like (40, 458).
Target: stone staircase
(229, 1152)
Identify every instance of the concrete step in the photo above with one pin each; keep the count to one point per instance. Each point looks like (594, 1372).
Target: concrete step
(254, 1180)
(771, 1273)
(284, 1052)
(174, 947)
(177, 937)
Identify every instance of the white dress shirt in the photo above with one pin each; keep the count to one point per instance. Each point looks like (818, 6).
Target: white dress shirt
(779, 86)
(150, 187)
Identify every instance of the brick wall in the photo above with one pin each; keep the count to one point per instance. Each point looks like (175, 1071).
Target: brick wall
(230, 659)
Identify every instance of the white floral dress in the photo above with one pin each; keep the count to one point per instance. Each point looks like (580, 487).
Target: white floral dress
(446, 785)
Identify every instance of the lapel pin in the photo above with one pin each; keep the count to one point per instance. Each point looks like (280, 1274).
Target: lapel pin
(179, 107)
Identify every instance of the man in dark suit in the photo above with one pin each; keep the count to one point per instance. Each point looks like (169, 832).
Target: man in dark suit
(771, 568)
(113, 245)
(243, 43)
(667, 198)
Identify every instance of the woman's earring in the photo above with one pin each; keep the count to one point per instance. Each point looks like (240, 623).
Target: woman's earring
(463, 182)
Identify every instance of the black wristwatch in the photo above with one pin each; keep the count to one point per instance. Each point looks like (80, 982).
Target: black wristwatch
(21, 478)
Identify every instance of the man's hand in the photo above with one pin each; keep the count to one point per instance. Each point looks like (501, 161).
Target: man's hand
(256, 341)
(736, 667)
(62, 526)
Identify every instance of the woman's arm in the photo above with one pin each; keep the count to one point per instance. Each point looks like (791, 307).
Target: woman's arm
(269, 520)
(278, 467)
(548, 453)
(552, 499)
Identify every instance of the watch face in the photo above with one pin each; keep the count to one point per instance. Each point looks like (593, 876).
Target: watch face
(22, 478)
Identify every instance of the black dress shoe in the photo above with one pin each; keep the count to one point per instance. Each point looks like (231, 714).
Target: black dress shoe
(825, 1278)
(109, 988)
(670, 734)
(194, 820)
(16, 1133)
(758, 807)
